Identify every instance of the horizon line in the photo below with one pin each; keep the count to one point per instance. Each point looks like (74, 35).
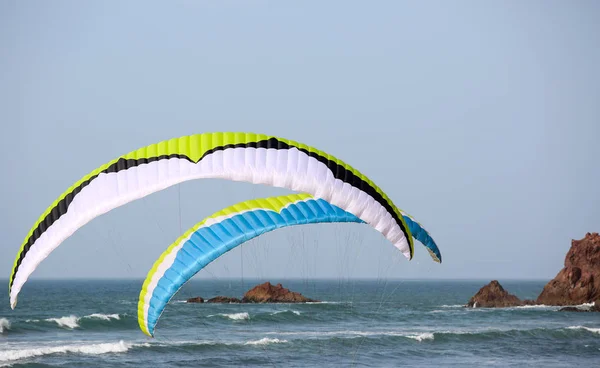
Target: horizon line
(289, 279)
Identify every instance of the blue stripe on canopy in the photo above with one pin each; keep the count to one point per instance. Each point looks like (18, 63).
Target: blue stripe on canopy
(209, 242)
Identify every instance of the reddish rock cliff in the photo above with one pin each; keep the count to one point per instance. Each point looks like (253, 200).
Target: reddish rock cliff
(493, 295)
(579, 281)
(197, 299)
(223, 299)
(267, 293)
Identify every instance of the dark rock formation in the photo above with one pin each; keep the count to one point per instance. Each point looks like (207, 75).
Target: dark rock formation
(267, 293)
(197, 299)
(572, 309)
(223, 299)
(263, 293)
(493, 295)
(593, 308)
(579, 281)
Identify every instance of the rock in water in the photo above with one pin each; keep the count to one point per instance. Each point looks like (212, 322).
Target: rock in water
(579, 281)
(593, 308)
(223, 299)
(197, 299)
(267, 293)
(572, 309)
(493, 295)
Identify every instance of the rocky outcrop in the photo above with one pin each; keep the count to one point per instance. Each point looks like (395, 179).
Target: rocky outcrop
(579, 281)
(267, 293)
(594, 308)
(493, 295)
(223, 299)
(263, 293)
(197, 299)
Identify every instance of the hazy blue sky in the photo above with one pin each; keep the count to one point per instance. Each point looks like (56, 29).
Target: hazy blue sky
(480, 118)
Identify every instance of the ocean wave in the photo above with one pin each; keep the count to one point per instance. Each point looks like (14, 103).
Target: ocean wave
(590, 329)
(265, 341)
(14, 355)
(442, 335)
(286, 311)
(233, 316)
(534, 306)
(418, 336)
(265, 317)
(452, 306)
(4, 325)
(105, 317)
(422, 337)
(72, 322)
(86, 349)
(584, 306)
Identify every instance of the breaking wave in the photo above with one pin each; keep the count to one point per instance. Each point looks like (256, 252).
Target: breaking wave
(448, 335)
(72, 321)
(65, 322)
(232, 316)
(418, 336)
(422, 337)
(452, 306)
(590, 329)
(286, 311)
(288, 315)
(85, 349)
(4, 325)
(105, 317)
(265, 341)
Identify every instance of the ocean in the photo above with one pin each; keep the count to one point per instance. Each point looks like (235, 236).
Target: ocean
(377, 323)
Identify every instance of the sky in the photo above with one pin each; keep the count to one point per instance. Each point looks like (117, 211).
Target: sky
(479, 118)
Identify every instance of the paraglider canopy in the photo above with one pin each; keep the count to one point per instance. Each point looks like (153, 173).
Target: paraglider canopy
(223, 231)
(254, 158)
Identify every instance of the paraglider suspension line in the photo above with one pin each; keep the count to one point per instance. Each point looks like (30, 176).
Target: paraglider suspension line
(179, 201)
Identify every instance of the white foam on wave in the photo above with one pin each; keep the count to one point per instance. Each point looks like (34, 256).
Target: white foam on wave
(72, 321)
(534, 306)
(4, 325)
(233, 316)
(452, 306)
(286, 311)
(419, 336)
(590, 329)
(265, 341)
(87, 349)
(422, 337)
(105, 317)
(67, 321)
(584, 306)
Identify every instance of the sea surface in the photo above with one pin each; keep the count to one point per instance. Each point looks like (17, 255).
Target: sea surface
(380, 323)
